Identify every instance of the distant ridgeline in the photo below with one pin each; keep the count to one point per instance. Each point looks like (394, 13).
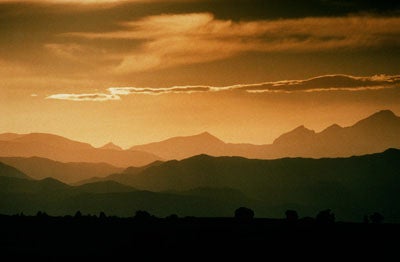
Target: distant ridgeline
(204, 186)
(373, 134)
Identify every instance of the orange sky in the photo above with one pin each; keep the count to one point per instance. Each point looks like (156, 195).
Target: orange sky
(133, 72)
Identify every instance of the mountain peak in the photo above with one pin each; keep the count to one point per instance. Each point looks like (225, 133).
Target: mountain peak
(383, 114)
(332, 128)
(111, 146)
(383, 117)
(300, 133)
(302, 128)
(206, 135)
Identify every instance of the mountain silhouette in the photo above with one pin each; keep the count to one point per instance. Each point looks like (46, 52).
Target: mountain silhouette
(351, 185)
(9, 171)
(115, 176)
(373, 134)
(111, 146)
(30, 196)
(40, 168)
(214, 186)
(370, 135)
(65, 150)
(182, 147)
(24, 186)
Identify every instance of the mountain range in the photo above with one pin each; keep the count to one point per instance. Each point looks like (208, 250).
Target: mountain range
(30, 196)
(373, 134)
(214, 186)
(61, 149)
(40, 168)
(9, 171)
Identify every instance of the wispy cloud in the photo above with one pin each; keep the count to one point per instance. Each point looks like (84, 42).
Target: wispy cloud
(179, 39)
(315, 84)
(84, 97)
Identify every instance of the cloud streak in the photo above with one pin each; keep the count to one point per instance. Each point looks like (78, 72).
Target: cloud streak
(316, 84)
(84, 97)
(177, 39)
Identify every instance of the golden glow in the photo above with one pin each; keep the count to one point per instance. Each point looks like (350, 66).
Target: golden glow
(134, 72)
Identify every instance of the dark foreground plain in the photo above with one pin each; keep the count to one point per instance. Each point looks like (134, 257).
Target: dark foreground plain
(193, 238)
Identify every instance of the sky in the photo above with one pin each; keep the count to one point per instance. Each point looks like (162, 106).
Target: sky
(139, 71)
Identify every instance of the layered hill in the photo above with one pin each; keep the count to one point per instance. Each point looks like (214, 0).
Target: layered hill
(373, 134)
(9, 171)
(40, 168)
(215, 186)
(65, 150)
(356, 184)
(56, 198)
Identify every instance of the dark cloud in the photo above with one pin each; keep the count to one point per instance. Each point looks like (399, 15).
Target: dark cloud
(28, 29)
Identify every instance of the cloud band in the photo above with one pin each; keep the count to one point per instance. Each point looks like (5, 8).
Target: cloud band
(315, 84)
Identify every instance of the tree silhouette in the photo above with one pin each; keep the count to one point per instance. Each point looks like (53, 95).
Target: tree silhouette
(172, 217)
(102, 215)
(325, 217)
(78, 214)
(41, 214)
(142, 215)
(244, 214)
(376, 218)
(291, 216)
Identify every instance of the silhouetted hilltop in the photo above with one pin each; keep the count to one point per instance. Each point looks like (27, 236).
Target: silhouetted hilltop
(24, 186)
(181, 147)
(373, 134)
(65, 150)
(133, 169)
(39, 168)
(299, 135)
(9, 171)
(111, 146)
(118, 176)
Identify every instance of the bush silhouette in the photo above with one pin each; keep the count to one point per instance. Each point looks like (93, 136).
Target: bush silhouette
(376, 218)
(142, 215)
(244, 214)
